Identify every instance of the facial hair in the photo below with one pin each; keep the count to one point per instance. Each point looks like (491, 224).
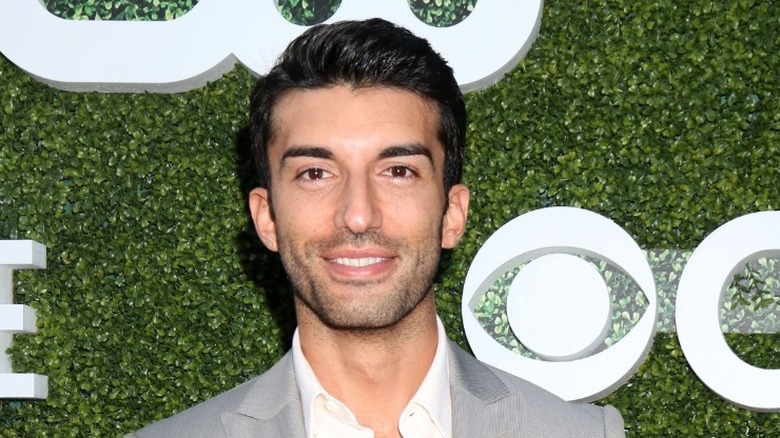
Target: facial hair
(358, 304)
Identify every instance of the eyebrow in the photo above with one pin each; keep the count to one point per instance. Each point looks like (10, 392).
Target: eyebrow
(307, 151)
(389, 152)
(406, 150)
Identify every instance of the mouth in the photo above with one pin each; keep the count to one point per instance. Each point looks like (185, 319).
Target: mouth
(358, 262)
(363, 264)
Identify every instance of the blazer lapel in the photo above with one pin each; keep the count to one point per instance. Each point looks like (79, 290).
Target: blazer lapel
(282, 425)
(272, 407)
(479, 400)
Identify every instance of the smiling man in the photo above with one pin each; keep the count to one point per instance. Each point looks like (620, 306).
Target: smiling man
(359, 135)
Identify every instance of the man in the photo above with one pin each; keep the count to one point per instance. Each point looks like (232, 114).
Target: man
(359, 135)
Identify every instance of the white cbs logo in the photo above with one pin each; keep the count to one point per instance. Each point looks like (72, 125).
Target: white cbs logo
(206, 42)
(558, 304)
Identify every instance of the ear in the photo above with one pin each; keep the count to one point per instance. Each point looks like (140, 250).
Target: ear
(262, 216)
(454, 221)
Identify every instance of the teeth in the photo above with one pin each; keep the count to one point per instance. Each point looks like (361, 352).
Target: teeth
(365, 261)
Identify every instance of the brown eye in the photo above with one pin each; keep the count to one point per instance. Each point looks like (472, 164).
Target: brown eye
(399, 172)
(314, 174)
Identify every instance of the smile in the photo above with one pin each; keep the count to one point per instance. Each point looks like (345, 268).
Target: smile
(358, 262)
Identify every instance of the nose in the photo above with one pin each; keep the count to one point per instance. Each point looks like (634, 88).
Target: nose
(358, 206)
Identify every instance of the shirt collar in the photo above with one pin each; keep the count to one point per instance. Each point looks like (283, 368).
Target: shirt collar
(308, 384)
(433, 394)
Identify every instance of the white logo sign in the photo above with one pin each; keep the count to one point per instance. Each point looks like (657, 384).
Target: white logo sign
(701, 290)
(552, 231)
(546, 237)
(16, 318)
(206, 42)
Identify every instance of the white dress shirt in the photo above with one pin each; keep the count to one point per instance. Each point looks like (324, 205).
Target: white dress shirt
(428, 414)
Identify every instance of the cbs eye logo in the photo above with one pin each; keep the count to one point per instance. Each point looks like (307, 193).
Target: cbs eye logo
(207, 41)
(558, 304)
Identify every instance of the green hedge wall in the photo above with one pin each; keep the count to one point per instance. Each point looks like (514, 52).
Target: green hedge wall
(663, 116)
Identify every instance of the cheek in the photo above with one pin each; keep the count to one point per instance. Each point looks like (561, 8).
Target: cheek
(417, 224)
(409, 209)
(301, 221)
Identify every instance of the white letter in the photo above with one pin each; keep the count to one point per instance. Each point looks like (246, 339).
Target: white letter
(703, 284)
(15, 318)
(204, 43)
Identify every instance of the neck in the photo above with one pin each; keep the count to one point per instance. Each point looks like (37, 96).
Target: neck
(373, 372)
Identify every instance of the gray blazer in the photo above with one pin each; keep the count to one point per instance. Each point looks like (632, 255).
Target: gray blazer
(486, 402)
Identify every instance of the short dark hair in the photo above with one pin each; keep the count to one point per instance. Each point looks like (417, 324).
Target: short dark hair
(360, 54)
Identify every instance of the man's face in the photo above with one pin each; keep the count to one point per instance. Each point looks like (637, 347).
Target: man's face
(358, 195)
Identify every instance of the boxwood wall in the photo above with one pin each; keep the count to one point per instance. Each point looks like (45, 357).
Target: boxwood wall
(662, 115)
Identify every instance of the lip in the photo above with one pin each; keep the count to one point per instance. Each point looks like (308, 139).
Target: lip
(363, 263)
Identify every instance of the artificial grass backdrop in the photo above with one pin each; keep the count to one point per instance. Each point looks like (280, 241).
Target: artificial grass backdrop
(663, 116)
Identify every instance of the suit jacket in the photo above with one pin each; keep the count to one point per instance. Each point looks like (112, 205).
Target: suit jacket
(486, 402)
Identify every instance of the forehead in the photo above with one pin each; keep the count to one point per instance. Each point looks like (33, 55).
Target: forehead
(342, 116)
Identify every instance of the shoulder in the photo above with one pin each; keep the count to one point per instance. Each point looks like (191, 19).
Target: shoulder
(549, 414)
(206, 419)
(524, 408)
(200, 420)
